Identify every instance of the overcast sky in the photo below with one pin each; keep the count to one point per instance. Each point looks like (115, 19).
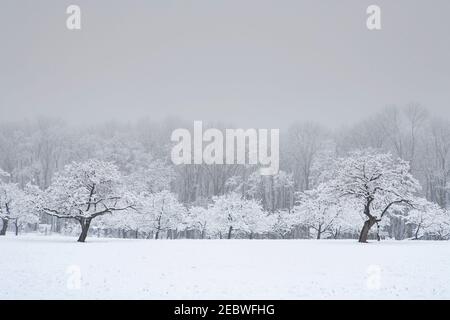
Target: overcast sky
(251, 62)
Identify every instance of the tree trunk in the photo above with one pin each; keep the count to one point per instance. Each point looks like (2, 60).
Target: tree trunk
(364, 235)
(157, 235)
(319, 232)
(229, 232)
(338, 231)
(17, 228)
(85, 223)
(416, 235)
(4, 227)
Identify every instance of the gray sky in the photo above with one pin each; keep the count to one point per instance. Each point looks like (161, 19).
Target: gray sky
(251, 62)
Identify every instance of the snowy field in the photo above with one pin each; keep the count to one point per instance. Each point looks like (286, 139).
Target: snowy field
(49, 267)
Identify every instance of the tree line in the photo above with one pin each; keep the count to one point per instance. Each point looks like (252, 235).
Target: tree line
(310, 197)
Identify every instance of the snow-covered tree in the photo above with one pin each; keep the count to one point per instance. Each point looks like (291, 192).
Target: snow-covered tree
(255, 219)
(348, 220)
(122, 221)
(201, 219)
(322, 210)
(4, 215)
(161, 212)
(17, 206)
(9, 197)
(440, 228)
(283, 221)
(235, 213)
(86, 190)
(378, 182)
(318, 209)
(422, 217)
(25, 209)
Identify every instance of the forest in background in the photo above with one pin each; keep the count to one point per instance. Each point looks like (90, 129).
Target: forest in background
(33, 151)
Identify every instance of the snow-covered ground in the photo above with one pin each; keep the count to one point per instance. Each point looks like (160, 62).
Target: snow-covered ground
(45, 267)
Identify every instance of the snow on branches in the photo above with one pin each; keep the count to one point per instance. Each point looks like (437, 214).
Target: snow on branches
(161, 212)
(86, 190)
(427, 218)
(17, 205)
(237, 214)
(378, 182)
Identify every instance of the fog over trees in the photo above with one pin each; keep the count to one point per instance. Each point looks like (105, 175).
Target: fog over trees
(385, 176)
